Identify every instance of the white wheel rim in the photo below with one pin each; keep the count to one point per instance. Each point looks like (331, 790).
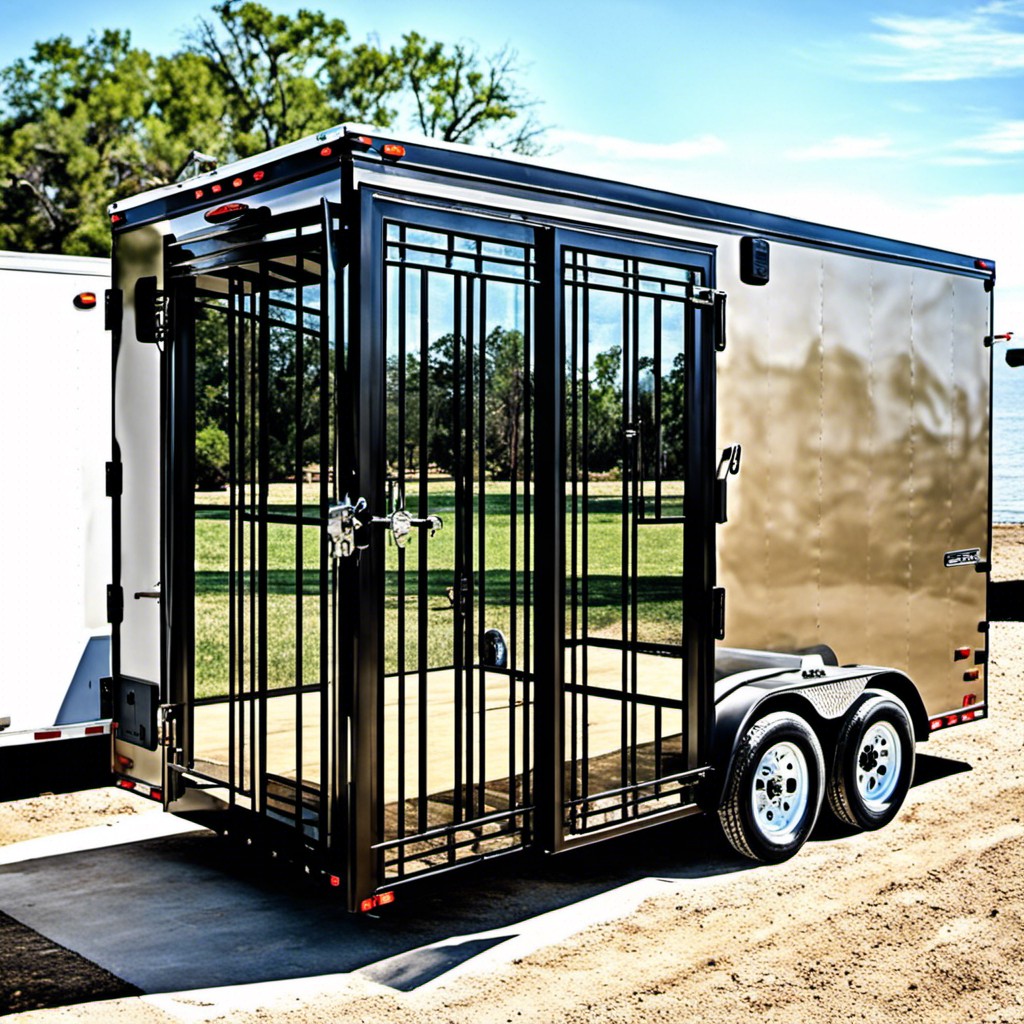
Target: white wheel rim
(780, 792)
(879, 760)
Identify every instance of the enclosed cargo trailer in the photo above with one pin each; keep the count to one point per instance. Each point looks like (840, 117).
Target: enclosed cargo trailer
(55, 535)
(455, 585)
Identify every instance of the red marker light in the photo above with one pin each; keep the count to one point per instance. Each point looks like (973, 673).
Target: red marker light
(335, 881)
(969, 699)
(326, 151)
(199, 193)
(952, 719)
(94, 730)
(226, 212)
(935, 723)
(84, 300)
(258, 175)
(385, 898)
(237, 183)
(961, 653)
(216, 189)
(48, 734)
(116, 218)
(367, 905)
(362, 140)
(126, 783)
(971, 675)
(392, 149)
(983, 264)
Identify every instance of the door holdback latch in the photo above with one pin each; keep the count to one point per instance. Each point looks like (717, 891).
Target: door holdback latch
(346, 518)
(728, 465)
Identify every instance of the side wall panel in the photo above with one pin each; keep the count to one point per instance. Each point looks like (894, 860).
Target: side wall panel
(859, 390)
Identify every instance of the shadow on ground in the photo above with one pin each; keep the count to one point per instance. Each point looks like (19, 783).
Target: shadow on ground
(195, 911)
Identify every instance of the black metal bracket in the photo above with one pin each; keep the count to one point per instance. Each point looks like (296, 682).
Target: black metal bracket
(115, 603)
(115, 479)
(113, 309)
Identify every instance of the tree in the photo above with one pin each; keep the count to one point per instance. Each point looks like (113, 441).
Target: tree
(82, 125)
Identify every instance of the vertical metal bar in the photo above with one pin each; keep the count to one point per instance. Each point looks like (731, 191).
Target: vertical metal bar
(624, 533)
(513, 589)
(470, 662)
(482, 535)
(233, 556)
(461, 569)
(585, 566)
(574, 443)
(254, 420)
(400, 739)
(529, 675)
(658, 458)
(636, 418)
(550, 549)
(264, 495)
(300, 370)
(422, 594)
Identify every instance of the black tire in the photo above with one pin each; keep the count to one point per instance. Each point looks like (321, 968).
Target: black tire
(775, 789)
(874, 762)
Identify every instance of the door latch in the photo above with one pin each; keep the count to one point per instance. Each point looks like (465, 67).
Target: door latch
(345, 519)
(728, 465)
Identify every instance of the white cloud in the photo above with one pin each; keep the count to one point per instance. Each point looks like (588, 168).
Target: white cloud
(846, 147)
(1005, 138)
(615, 148)
(984, 42)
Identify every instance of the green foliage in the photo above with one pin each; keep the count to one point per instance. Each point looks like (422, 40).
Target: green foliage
(213, 456)
(82, 125)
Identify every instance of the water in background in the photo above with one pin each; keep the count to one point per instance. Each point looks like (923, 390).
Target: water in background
(1007, 442)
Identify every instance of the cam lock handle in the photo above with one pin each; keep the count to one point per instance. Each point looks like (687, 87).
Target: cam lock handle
(345, 519)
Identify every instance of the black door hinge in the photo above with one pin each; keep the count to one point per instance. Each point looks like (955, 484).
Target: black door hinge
(718, 612)
(720, 321)
(114, 479)
(113, 306)
(115, 604)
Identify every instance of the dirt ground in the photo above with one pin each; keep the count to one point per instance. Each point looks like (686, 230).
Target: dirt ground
(922, 921)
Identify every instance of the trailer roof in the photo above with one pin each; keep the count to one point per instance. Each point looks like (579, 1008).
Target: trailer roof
(509, 174)
(52, 263)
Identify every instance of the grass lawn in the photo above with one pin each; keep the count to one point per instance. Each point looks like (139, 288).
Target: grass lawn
(291, 609)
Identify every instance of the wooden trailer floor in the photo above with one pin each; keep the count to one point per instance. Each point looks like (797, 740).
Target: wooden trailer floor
(498, 728)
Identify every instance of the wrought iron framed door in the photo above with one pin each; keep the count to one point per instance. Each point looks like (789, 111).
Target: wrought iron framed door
(252, 359)
(443, 549)
(630, 395)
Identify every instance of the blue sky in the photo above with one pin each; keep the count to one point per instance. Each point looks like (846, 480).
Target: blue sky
(898, 117)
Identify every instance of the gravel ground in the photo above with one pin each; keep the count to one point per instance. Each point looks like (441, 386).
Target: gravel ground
(923, 920)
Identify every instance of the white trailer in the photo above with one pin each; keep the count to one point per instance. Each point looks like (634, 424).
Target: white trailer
(55, 519)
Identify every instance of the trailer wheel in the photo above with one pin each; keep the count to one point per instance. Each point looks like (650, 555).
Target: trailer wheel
(775, 790)
(874, 762)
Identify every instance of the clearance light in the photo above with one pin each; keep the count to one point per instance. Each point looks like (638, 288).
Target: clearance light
(935, 723)
(199, 193)
(116, 218)
(392, 149)
(362, 140)
(969, 699)
(216, 189)
(971, 675)
(326, 151)
(258, 175)
(367, 905)
(237, 183)
(94, 730)
(952, 719)
(335, 881)
(385, 898)
(226, 212)
(156, 794)
(125, 762)
(84, 300)
(126, 783)
(983, 264)
(48, 734)
(961, 654)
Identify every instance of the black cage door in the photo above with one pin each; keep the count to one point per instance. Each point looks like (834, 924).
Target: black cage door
(634, 468)
(441, 632)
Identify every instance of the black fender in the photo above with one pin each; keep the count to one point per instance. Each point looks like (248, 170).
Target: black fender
(822, 700)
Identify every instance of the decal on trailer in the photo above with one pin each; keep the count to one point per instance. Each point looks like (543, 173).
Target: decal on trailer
(969, 556)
